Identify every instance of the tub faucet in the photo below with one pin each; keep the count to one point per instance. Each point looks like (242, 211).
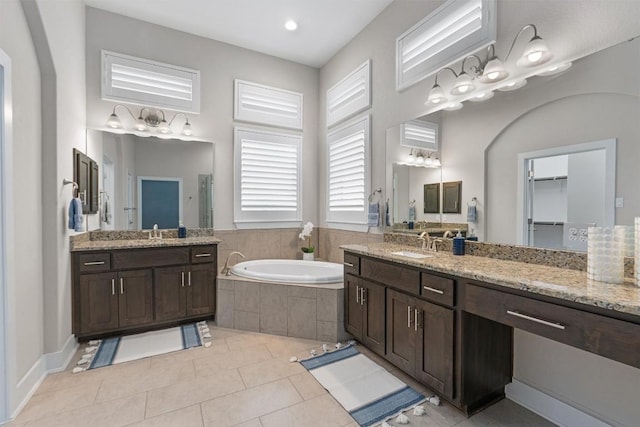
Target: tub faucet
(226, 270)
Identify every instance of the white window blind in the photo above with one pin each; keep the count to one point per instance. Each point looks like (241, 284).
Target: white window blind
(269, 105)
(141, 81)
(267, 176)
(350, 95)
(420, 134)
(454, 30)
(348, 177)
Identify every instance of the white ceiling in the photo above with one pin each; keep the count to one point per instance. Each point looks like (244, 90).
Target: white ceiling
(324, 26)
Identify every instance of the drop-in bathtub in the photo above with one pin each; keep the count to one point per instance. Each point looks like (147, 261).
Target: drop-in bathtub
(303, 299)
(290, 271)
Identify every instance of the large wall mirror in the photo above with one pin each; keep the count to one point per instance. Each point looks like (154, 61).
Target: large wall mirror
(148, 180)
(481, 145)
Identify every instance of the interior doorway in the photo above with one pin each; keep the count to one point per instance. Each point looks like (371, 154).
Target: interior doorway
(159, 202)
(564, 191)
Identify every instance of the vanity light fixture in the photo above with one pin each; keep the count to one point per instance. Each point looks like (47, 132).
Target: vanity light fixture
(149, 119)
(422, 158)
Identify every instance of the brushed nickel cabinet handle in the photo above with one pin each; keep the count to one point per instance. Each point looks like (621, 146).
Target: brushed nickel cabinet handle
(363, 292)
(202, 255)
(121, 286)
(182, 273)
(348, 264)
(189, 279)
(437, 291)
(113, 286)
(409, 316)
(415, 319)
(94, 263)
(536, 320)
(357, 294)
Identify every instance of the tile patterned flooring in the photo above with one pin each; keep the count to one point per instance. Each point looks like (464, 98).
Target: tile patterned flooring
(244, 379)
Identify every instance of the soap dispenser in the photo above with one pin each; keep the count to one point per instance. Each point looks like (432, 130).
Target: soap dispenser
(458, 244)
(182, 230)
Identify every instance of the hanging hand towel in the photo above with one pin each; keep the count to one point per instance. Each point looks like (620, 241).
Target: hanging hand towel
(374, 214)
(472, 213)
(75, 214)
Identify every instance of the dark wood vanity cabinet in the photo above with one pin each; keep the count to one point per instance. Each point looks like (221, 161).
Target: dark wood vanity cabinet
(133, 289)
(364, 301)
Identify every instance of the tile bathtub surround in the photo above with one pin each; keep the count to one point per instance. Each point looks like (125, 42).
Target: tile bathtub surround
(549, 257)
(243, 379)
(562, 283)
(289, 310)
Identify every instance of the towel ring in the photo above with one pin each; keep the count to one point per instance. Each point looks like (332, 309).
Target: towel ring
(474, 202)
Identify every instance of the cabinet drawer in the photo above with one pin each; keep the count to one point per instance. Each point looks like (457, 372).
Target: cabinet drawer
(351, 264)
(203, 254)
(437, 289)
(141, 258)
(392, 275)
(94, 262)
(612, 338)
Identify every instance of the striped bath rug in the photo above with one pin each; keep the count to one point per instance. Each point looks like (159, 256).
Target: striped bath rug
(366, 390)
(111, 351)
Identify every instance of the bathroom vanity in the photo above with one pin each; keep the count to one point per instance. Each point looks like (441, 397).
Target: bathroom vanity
(134, 285)
(448, 320)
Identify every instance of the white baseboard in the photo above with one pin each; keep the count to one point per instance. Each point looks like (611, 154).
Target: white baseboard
(46, 364)
(58, 361)
(549, 407)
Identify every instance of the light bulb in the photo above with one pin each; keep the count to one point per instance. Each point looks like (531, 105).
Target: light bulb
(420, 159)
(164, 128)
(462, 85)
(114, 121)
(410, 158)
(140, 124)
(436, 95)
(536, 53)
(291, 25)
(186, 129)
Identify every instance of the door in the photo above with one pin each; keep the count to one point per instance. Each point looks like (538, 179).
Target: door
(353, 309)
(201, 290)
(159, 202)
(401, 337)
(135, 302)
(170, 292)
(373, 325)
(434, 364)
(98, 302)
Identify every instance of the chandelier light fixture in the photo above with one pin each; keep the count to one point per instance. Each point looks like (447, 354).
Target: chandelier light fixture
(149, 120)
(479, 80)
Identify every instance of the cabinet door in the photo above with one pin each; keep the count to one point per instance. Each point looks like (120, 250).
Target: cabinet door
(353, 309)
(434, 364)
(373, 330)
(170, 292)
(201, 290)
(135, 302)
(401, 336)
(98, 302)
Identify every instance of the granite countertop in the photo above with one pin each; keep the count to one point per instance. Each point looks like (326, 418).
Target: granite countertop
(97, 245)
(570, 285)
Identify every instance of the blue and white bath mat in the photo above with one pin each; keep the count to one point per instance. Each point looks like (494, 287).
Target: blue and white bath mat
(365, 389)
(111, 351)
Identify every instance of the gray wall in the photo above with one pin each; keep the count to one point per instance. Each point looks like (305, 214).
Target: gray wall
(219, 65)
(491, 177)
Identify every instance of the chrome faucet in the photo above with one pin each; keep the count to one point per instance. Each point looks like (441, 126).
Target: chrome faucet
(155, 234)
(226, 270)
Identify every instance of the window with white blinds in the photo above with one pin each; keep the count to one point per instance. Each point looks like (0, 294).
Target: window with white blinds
(420, 134)
(142, 81)
(348, 163)
(267, 179)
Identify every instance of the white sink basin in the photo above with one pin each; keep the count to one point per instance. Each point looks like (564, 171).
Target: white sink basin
(408, 254)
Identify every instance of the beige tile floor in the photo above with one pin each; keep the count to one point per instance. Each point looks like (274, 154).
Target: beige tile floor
(243, 379)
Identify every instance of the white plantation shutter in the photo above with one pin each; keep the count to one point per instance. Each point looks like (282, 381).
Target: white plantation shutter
(348, 177)
(267, 176)
(258, 103)
(419, 134)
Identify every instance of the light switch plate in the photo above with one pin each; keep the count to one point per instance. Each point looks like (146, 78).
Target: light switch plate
(619, 202)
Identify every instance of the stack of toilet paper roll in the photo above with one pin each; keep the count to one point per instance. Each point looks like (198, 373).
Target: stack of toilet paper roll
(605, 254)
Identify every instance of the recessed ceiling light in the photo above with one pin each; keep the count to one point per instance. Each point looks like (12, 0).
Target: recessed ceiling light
(291, 25)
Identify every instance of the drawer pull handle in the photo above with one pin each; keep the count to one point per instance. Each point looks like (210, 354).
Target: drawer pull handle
(121, 286)
(535, 319)
(189, 279)
(409, 316)
(357, 294)
(182, 273)
(362, 294)
(113, 286)
(348, 264)
(437, 291)
(94, 263)
(415, 319)
(202, 255)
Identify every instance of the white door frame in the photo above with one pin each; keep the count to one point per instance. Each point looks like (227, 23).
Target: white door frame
(7, 313)
(608, 145)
